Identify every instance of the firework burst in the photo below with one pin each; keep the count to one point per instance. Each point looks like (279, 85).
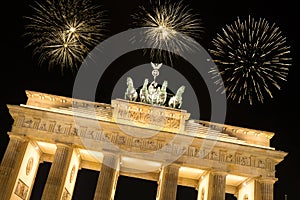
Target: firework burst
(63, 32)
(252, 59)
(165, 21)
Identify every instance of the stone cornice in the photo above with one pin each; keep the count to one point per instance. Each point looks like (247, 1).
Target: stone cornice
(44, 100)
(101, 111)
(240, 132)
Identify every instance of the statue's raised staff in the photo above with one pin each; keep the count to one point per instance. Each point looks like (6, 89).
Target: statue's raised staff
(155, 72)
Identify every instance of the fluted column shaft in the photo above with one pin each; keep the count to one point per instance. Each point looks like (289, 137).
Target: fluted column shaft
(217, 186)
(266, 188)
(108, 177)
(58, 172)
(10, 166)
(168, 183)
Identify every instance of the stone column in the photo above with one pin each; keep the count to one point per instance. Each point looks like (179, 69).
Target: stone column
(10, 165)
(265, 190)
(108, 178)
(216, 186)
(167, 185)
(54, 187)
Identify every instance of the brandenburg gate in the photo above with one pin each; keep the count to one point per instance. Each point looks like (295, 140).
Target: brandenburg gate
(73, 134)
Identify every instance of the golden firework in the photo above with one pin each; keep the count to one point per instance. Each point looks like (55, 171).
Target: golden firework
(173, 26)
(251, 58)
(63, 32)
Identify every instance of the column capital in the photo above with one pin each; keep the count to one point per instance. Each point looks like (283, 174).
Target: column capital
(111, 160)
(111, 153)
(271, 180)
(18, 137)
(176, 165)
(60, 144)
(218, 172)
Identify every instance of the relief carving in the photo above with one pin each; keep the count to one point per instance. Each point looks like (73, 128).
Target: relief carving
(151, 144)
(179, 149)
(106, 137)
(260, 163)
(238, 158)
(214, 156)
(89, 134)
(28, 123)
(172, 123)
(253, 161)
(147, 144)
(43, 126)
(168, 148)
(136, 142)
(51, 126)
(97, 135)
(270, 165)
(122, 114)
(74, 131)
(245, 161)
(229, 158)
(113, 137)
(160, 144)
(134, 115)
(20, 120)
(155, 117)
(59, 129)
(21, 189)
(67, 128)
(66, 195)
(82, 131)
(72, 173)
(121, 140)
(36, 123)
(29, 165)
(222, 156)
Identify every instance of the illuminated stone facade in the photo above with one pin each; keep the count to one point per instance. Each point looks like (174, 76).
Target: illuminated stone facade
(137, 140)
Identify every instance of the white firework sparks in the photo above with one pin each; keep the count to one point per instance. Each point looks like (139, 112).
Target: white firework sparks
(166, 20)
(252, 58)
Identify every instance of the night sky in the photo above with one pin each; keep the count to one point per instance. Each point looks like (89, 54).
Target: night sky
(19, 71)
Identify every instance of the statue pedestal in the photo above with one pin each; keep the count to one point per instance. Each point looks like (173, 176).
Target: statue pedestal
(149, 116)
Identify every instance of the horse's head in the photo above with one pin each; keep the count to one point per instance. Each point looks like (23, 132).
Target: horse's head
(180, 91)
(164, 85)
(129, 81)
(146, 82)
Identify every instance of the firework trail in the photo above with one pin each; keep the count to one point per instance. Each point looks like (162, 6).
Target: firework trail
(165, 20)
(252, 59)
(62, 32)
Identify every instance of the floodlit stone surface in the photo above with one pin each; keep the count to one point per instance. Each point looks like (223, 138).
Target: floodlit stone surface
(133, 139)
